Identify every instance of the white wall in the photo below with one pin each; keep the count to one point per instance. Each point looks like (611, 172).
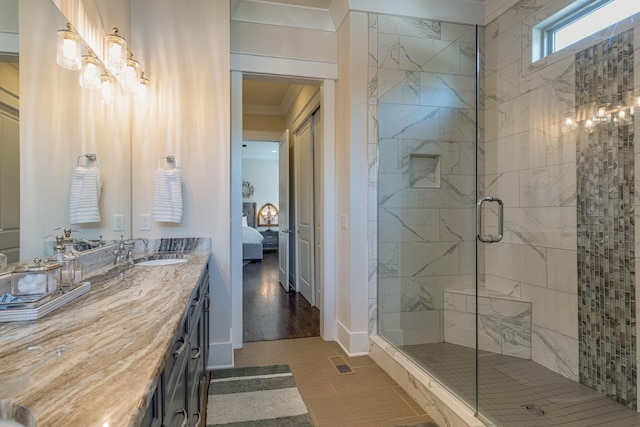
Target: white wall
(186, 51)
(263, 175)
(9, 26)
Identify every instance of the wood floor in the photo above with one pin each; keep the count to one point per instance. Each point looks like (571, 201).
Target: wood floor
(269, 313)
(369, 397)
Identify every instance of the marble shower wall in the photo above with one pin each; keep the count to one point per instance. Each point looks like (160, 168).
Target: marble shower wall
(606, 240)
(422, 172)
(531, 164)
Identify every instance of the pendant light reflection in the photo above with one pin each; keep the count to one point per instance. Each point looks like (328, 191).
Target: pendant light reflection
(142, 91)
(108, 88)
(68, 52)
(131, 75)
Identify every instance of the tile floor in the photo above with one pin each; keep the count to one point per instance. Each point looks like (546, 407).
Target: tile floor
(367, 398)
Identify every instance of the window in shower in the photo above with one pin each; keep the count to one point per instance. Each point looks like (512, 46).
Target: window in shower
(577, 22)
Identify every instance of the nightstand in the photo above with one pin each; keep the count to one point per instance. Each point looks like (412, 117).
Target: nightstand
(270, 242)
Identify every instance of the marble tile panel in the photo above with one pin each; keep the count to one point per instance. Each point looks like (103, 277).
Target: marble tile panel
(468, 257)
(409, 122)
(372, 129)
(490, 123)
(555, 351)
(505, 186)
(428, 259)
(387, 260)
(408, 225)
(372, 201)
(521, 11)
(507, 287)
(562, 271)
(405, 91)
(460, 86)
(416, 53)
(517, 263)
(560, 144)
(415, 296)
(516, 311)
(459, 328)
(548, 186)
(457, 224)
(454, 301)
(553, 310)
(372, 240)
(550, 227)
(372, 160)
(457, 32)
(448, 153)
(489, 334)
(372, 83)
(447, 57)
(388, 51)
(502, 85)
(424, 171)
(373, 316)
(468, 59)
(373, 40)
(388, 157)
(520, 151)
(457, 124)
(373, 278)
(558, 76)
(508, 46)
(388, 79)
(408, 26)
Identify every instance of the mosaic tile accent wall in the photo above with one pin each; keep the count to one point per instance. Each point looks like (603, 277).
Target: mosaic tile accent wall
(605, 214)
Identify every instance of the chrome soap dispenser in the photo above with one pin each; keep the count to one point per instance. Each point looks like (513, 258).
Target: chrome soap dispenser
(67, 263)
(74, 255)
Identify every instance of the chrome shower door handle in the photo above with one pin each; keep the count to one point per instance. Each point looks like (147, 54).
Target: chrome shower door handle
(489, 238)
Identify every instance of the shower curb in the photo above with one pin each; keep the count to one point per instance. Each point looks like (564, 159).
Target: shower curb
(440, 404)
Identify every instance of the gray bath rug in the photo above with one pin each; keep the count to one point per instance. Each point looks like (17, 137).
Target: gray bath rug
(256, 396)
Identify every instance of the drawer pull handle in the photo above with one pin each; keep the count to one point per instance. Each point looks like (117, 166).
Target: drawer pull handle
(195, 302)
(185, 416)
(197, 355)
(180, 350)
(199, 416)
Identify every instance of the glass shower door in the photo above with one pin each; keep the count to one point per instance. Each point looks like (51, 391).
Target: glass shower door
(426, 97)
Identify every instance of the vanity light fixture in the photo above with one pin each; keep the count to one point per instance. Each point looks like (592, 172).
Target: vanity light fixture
(69, 53)
(91, 72)
(115, 49)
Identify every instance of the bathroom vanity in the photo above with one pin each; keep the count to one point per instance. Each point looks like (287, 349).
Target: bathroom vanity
(130, 352)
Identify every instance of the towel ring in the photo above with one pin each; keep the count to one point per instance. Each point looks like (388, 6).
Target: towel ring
(91, 157)
(170, 159)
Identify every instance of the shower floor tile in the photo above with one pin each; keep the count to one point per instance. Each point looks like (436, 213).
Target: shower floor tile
(507, 385)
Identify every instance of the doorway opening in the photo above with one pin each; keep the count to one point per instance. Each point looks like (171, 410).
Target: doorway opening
(280, 130)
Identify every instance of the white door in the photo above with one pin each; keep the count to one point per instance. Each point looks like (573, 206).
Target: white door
(283, 212)
(303, 183)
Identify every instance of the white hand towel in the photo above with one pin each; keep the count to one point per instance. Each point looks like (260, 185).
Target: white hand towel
(86, 186)
(167, 202)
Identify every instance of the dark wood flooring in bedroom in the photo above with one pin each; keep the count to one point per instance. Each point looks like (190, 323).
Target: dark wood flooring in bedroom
(269, 313)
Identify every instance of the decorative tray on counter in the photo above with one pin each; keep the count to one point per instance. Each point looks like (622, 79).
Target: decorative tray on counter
(38, 307)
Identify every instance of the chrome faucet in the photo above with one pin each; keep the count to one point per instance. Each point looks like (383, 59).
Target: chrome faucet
(119, 252)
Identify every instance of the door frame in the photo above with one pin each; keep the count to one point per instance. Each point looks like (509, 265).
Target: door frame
(301, 72)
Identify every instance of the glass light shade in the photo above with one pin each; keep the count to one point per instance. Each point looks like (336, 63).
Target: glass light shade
(142, 91)
(131, 75)
(115, 48)
(91, 72)
(108, 88)
(68, 49)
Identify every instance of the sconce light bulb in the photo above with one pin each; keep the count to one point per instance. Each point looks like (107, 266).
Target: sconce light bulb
(601, 112)
(91, 71)
(68, 49)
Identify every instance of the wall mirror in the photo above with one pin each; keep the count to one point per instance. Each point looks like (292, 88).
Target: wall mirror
(59, 121)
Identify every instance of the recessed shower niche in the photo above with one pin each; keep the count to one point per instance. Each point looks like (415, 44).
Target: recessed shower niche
(424, 170)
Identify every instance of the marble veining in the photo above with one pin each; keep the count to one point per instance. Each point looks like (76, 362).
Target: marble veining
(96, 360)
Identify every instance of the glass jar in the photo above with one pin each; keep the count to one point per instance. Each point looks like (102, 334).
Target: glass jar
(37, 278)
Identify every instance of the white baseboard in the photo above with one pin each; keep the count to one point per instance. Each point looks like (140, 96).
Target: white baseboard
(220, 355)
(353, 343)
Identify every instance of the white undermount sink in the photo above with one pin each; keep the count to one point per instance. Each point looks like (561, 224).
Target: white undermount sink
(162, 261)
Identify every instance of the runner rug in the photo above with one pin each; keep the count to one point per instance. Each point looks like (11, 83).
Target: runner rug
(255, 396)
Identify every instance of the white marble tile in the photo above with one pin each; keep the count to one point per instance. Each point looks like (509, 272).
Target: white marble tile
(505, 186)
(388, 161)
(517, 152)
(457, 32)
(387, 260)
(373, 278)
(373, 40)
(560, 144)
(516, 339)
(373, 316)
(513, 310)
(468, 59)
(427, 259)
(489, 334)
(454, 301)
(372, 201)
(559, 76)
(372, 240)
(448, 153)
(518, 263)
(372, 83)
(372, 160)
(457, 224)
(447, 90)
(553, 310)
(562, 270)
(416, 53)
(459, 328)
(388, 45)
(508, 46)
(552, 227)
(411, 122)
(555, 351)
(389, 78)
(408, 26)
(446, 58)
(468, 257)
(406, 91)
(408, 225)
(548, 186)
(502, 85)
(457, 124)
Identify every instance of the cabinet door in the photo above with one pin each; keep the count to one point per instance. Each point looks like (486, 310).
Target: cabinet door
(177, 413)
(153, 416)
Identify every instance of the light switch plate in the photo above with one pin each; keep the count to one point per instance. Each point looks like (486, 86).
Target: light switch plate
(118, 222)
(145, 222)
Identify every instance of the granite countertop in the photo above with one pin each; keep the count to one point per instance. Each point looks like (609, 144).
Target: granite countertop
(95, 361)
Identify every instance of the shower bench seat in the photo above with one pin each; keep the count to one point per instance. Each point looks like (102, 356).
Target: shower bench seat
(504, 321)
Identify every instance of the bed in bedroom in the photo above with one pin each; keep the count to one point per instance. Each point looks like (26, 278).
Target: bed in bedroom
(251, 237)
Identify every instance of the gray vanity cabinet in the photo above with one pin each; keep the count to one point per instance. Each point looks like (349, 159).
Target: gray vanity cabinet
(179, 396)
